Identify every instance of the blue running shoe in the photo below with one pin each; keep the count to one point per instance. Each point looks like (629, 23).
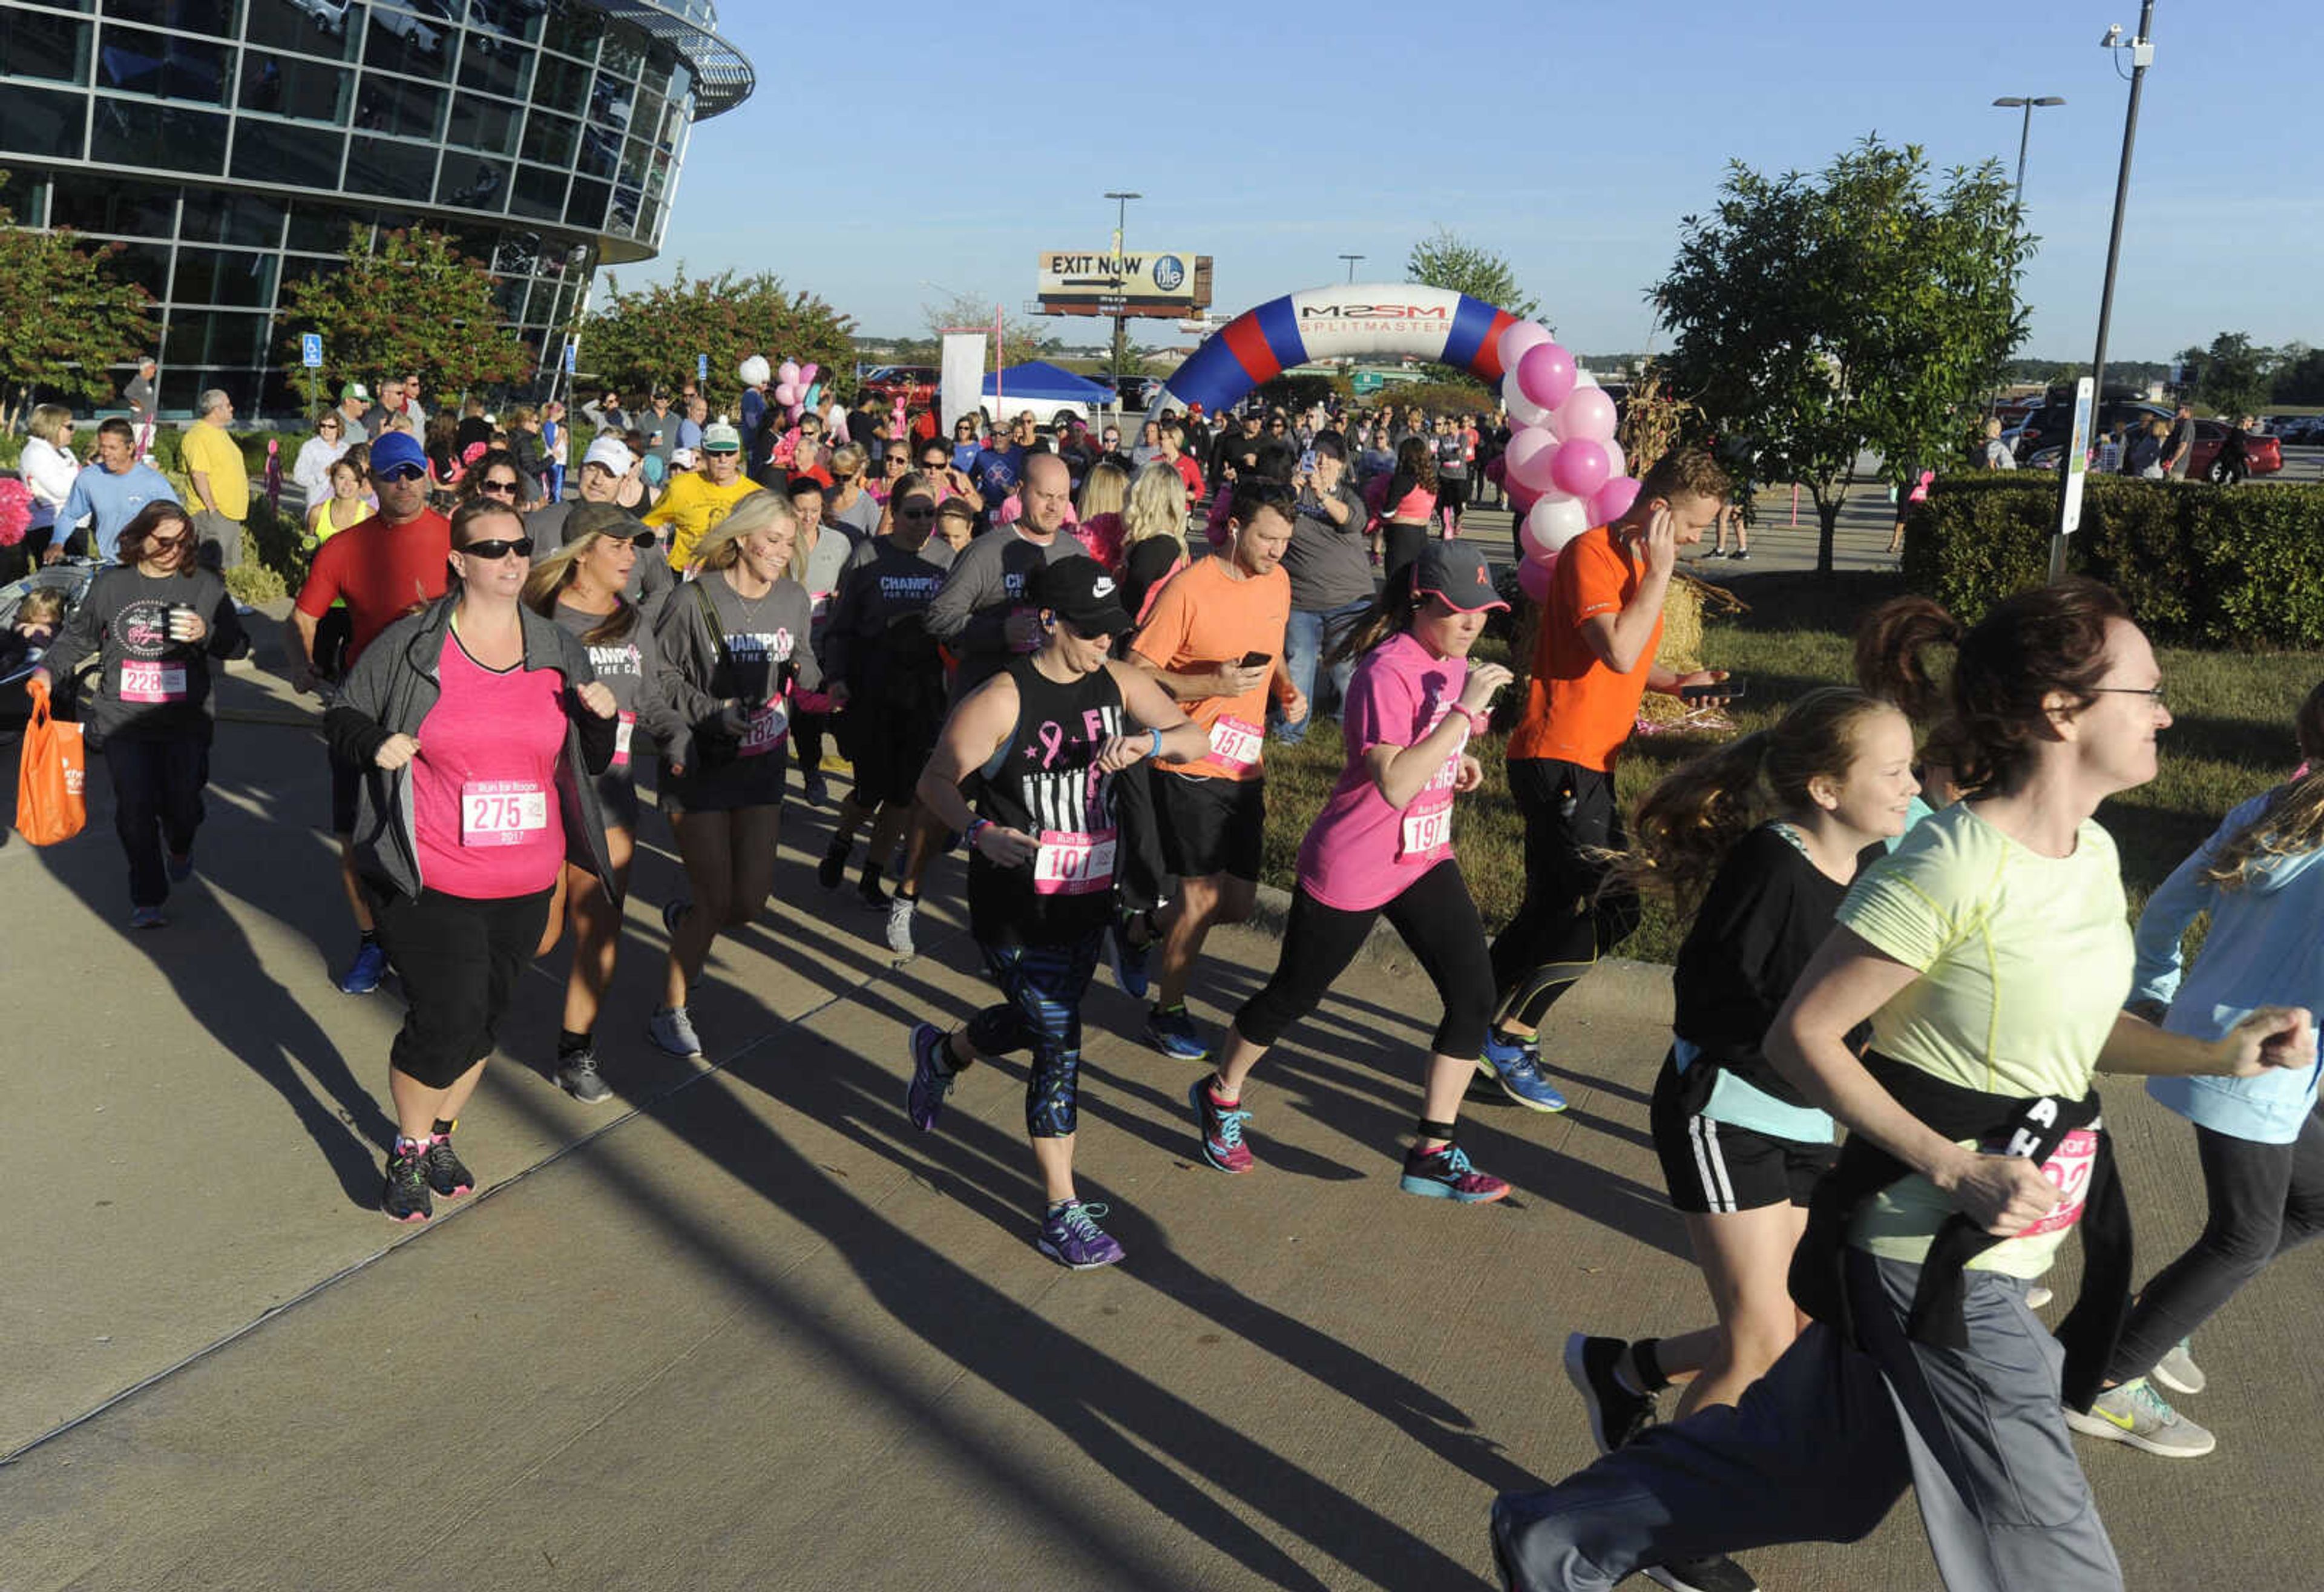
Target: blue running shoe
(1172, 1032)
(1446, 1173)
(1221, 1129)
(931, 1079)
(1070, 1236)
(1128, 960)
(1518, 1069)
(369, 968)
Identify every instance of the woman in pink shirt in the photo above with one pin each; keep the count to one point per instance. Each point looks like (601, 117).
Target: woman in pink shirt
(479, 723)
(1405, 506)
(1383, 844)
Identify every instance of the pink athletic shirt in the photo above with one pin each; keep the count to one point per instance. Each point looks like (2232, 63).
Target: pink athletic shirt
(484, 788)
(1362, 853)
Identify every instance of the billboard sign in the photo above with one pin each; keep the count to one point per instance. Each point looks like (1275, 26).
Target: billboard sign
(1136, 282)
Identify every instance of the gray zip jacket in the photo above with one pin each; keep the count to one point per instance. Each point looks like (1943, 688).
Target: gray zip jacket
(391, 692)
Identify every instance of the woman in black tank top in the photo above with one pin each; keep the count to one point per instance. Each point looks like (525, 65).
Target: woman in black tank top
(1048, 736)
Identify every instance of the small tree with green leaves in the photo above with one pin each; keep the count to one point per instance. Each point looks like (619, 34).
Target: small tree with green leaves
(1444, 259)
(1861, 309)
(653, 338)
(2233, 377)
(1020, 340)
(414, 305)
(63, 319)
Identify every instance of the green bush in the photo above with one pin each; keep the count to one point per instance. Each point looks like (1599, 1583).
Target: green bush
(254, 584)
(2199, 565)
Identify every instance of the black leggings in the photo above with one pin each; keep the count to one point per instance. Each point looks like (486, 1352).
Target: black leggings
(459, 959)
(1400, 543)
(1563, 925)
(2266, 1200)
(1438, 921)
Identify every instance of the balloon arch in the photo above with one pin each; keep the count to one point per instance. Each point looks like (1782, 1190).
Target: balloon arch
(1563, 471)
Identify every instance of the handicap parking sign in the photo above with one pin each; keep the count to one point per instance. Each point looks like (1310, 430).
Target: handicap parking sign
(310, 351)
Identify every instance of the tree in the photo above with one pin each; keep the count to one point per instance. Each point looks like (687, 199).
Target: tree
(653, 338)
(414, 305)
(2232, 376)
(1820, 316)
(1444, 259)
(63, 320)
(1020, 339)
(2300, 377)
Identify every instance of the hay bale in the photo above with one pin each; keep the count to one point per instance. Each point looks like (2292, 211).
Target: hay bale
(1680, 652)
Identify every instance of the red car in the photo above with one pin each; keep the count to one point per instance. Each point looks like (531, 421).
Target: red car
(915, 385)
(2262, 455)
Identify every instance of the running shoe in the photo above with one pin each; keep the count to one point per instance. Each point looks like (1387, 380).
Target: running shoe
(1446, 1173)
(1221, 1129)
(1128, 960)
(932, 1080)
(1070, 1236)
(1518, 1069)
(817, 789)
(833, 868)
(151, 917)
(1616, 1414)
(867, 891)
(2178, 1371)
(181, 867)
(577, 1076)
(405, 1197)
(1173, 1033)
(673, 913)
(370, 965)
(1741, 555)
(447, 1175)
(672, 1028)
(1714, 1572)
(2135, 1413)
(900, 923)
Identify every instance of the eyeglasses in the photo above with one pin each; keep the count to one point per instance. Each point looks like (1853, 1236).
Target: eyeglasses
(497, 487)
(498, 549)
(409, 472)
(917, 511)
(2153, 694)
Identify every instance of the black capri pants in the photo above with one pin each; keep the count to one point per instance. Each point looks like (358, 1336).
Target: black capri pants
(1436, 920)
(459, 959)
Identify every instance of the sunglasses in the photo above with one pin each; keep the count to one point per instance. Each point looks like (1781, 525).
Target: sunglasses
(402, 473)
(499, 486)
(645, 539)
(498, 548)
(935, 463)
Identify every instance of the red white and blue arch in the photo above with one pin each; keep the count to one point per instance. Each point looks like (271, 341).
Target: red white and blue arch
(1398, 318)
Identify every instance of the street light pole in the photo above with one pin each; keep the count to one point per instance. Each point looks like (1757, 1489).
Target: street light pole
(2025, 136)
(1120, 221)
(2142, 55)
(1352, 260)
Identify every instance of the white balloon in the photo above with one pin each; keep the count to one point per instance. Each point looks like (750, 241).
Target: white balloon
(1523, 410)
(1553, 522)
(1616, 466)
(753, 371)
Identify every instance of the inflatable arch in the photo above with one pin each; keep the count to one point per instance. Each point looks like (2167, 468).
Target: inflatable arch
(1400, 319)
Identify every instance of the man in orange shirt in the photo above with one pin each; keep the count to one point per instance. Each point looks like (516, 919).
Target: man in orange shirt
(1592, 664)
(1214, 640)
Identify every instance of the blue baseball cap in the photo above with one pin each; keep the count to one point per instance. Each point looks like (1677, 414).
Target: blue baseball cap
(394, 449)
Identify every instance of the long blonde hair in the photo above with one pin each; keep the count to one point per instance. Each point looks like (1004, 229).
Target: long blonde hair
(2291, 824)
(721, 546)
(589, 524)
(1105, 490)
(1157, 507)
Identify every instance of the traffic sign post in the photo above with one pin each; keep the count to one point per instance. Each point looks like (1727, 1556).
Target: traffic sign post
(702, 367)
(2073, 471)
(310, 355)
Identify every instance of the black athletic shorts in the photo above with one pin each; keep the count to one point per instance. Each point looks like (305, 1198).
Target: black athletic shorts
(1211, 826)
(346, 782)
(1712, 1168)
(887, 749)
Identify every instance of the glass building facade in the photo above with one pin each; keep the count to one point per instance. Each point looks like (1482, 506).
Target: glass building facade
(229, 146)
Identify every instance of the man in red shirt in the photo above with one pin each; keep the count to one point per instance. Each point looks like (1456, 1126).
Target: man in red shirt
(384, 569)
(1592, 665)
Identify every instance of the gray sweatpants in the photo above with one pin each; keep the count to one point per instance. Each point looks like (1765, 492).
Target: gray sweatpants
(214, 530)
(1819, 1448)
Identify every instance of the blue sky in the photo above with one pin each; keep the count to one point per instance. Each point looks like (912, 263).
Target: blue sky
(934, 146)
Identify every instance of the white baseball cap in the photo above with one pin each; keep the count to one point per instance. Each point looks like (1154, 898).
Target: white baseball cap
(612, 453)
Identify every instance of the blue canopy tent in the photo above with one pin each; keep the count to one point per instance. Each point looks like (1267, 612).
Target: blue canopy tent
(1044, 389)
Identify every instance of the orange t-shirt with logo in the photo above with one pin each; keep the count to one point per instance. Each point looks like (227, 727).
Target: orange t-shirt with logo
(1203, 619)
(1577, 710)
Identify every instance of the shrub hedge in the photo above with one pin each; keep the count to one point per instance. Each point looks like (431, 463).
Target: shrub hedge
(2199, 565)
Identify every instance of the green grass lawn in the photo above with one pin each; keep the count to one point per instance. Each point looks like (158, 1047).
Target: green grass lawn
(2232, 738)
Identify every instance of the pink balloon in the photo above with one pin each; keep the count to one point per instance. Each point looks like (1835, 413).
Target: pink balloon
(1520, 495)
(1533, 577)
(1517, 338)
(1553, 523)
(787, 391)
(1496, 471)
(1613, 500)
(807, 374)
(788, 371)
(1546, 374)
(1587, 411)
(1529, 455)
(1579, 468)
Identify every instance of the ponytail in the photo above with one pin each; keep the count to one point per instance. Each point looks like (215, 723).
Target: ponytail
(2291, 824)
(1392, 611)
(1889, 647)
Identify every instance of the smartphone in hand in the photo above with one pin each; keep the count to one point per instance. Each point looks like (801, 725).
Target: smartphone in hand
(1255, 659)
(1717, 691)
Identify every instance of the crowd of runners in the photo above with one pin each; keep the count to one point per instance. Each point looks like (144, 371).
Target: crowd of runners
(1068, 653)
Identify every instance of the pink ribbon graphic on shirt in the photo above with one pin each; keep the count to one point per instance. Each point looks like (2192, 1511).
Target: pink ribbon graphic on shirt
(1053, 741)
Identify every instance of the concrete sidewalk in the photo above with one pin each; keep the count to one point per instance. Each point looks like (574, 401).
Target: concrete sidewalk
(747, 1328)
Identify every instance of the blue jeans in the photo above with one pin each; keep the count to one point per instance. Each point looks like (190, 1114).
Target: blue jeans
(1309, 634)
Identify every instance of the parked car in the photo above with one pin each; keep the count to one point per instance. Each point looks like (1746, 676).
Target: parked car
(915, 385)
(420, 35)
(2262, 455)
(330, 16)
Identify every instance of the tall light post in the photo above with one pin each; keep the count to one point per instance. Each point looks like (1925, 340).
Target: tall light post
(2025, 136)
(2142, 55)
(1120, 221)
(1352, 260)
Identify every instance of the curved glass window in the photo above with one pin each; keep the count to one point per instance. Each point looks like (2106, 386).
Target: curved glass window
(222, 276)
(37, 45)
(194, 17)
(485, 124)
(289, 155)
(157, 138)
(468, 183)
(403, 41)
(539, 193)
(398, 170)
(42, 122)
(137, 60)
(549, 139)
(408, 110)
(224, 215)
(311, 27)
(496, 67)
(288, 85)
